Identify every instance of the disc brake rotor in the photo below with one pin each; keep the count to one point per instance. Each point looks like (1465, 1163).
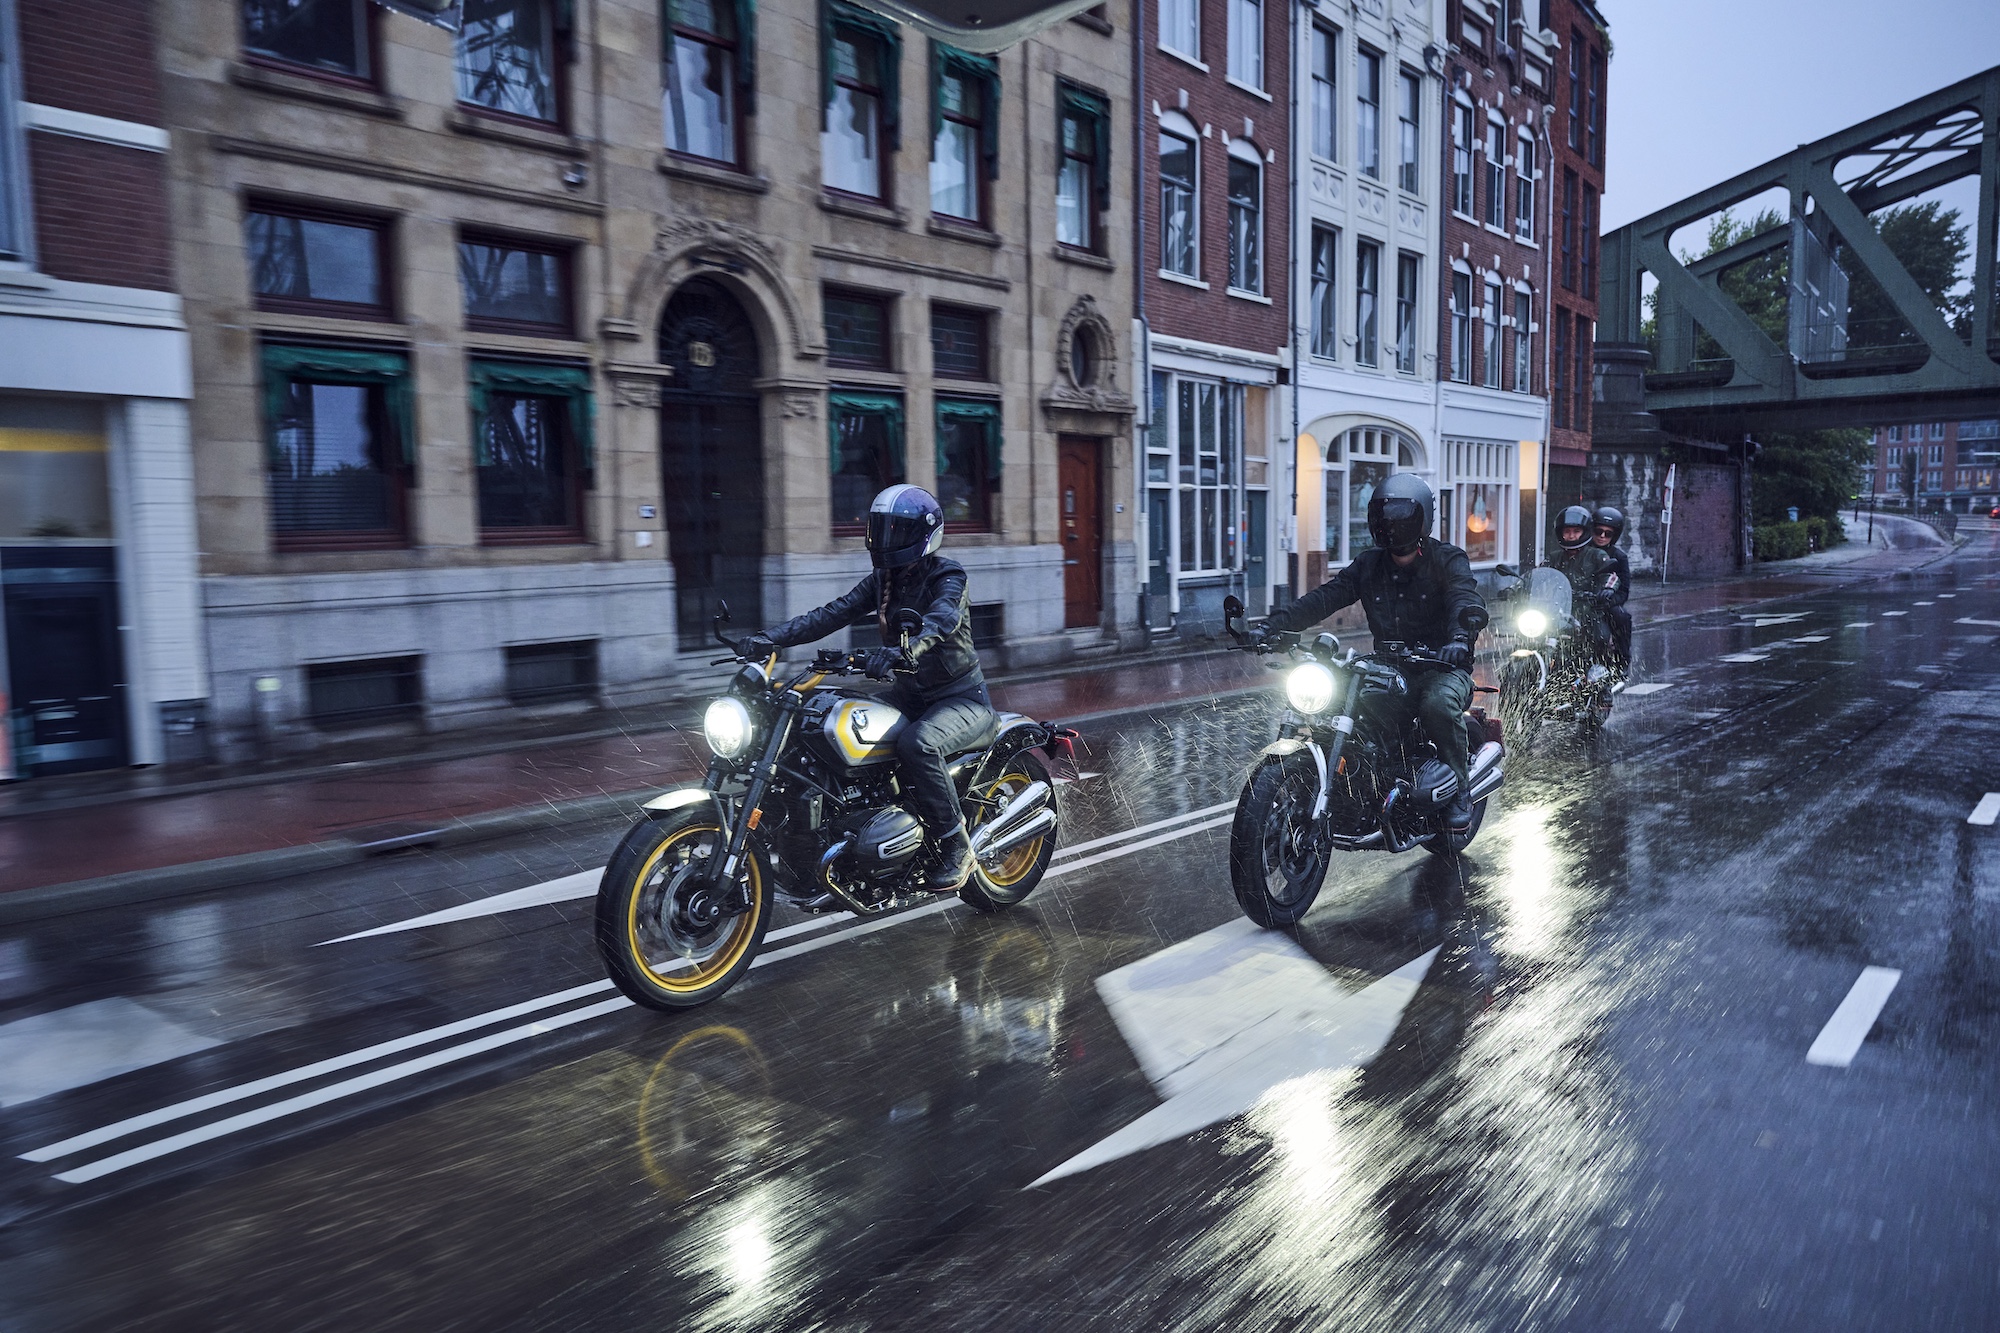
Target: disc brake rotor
(684, 905)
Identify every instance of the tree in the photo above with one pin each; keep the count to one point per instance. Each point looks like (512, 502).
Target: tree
(1817, 471)
(1930, 244)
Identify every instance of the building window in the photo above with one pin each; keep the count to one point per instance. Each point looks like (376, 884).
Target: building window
(965, 143)
(1325, 85)
(1461, 327)
(1496, 175)
(1575, 90)
(1589, 242)
(323, 36)
(1524, 189)
(1937, 430)
(1180, 27)
(1559, 391)
(1494, 335)
(338, 423)
(547, 673)
(1485, 505)
(860, 118)
(1406, 313)
(1246, 225)
(1409, 124)
(1359, 461)
(1325, 265)
(865, 440)
(1461, 159)
(1367, 298)
(1580, 379)
(857, 329)
(1085, 166)
(1368, 115)
(968, 461)
(1594, 125)
(1246, 42)
(1209, 436)
(704, 72)
(1937, 453)
(958, 343)
(515, 288)
(1895, 432)
(1569, 212)
(1523, 341)
(507, 58)
(313, 263)
(1177, 205)
(531, 433)
(374, 692)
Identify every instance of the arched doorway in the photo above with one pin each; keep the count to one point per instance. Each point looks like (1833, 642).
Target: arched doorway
(712, 460)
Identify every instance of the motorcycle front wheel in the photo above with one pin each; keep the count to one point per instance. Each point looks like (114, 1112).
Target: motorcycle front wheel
(663, 941)
(1277, 859)
(1014, 876)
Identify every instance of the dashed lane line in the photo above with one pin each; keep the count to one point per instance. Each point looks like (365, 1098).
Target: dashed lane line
(1745, 657)
(1886, 615)
(1968, 620)
(1649, 687)
(1986, 811)
(1840, 1040)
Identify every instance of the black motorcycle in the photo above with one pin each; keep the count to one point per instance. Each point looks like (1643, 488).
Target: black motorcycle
(1557, 666)
(802, 804)
(1351, 770)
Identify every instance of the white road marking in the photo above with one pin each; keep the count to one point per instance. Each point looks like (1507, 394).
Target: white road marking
(1650, 687)
(1888, 614)
(87, 1043)
(1222, 1020)
(1745, 657)
(362, 1083)
(1079, 847)
(1841, 1038)
(1908, 684)
(1812, 638)
(1859, 624)
(1968, 620)
(1760, 621)
(1986, 811)
(1946, 596)
(1923, 603)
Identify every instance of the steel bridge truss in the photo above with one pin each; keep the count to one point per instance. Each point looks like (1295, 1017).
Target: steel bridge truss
(1816, 378)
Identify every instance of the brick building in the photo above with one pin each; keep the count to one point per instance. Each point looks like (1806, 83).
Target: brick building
(101, 655)
(1580, 61)
(520, 346)
(1931, 465)
(1211, 261)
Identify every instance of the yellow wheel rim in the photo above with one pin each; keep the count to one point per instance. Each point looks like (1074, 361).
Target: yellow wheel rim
(1021, 860)
(652, 1152)
(684, 976)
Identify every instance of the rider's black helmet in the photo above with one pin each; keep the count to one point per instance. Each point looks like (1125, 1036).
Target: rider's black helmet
(1574, 516)
(905, 524)
(1609, 516)
(1399, 513)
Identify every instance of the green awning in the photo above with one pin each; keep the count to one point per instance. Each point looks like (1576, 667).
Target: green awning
(284, 364)
(983, 72)
(540, 379)
(985, 412)
(838, 14)
(842, 403)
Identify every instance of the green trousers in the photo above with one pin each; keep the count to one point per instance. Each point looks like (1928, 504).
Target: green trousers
(1442, 697)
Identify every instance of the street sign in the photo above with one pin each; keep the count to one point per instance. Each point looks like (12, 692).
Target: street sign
(1667, 519)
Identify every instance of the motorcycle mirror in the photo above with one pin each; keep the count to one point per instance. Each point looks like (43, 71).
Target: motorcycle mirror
(722, 613)
(1473, 619)
(1232, 609)
(1507, 571)
(721, 619)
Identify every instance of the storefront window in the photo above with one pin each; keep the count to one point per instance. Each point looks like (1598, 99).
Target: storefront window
(1482, 521)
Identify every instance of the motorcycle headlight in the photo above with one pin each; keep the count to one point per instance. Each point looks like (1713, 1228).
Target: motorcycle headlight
(726, 727)
(1532, 623)
(1310, 687)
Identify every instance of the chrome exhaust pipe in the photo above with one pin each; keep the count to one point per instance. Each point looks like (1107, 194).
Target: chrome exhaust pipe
(1037, 824)
(1487, 773)
(1026, 802)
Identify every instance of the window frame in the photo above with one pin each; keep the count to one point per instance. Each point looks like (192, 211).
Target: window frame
(1575, 90)
(1461, 327)
(1559, 400)
(1409, 310)
(1524, 339)
(1254, 209)
(1525, 167)
(559, 90)
(886, 144)
(382, 312)
(1462, 187)
(1190, 10)
(1409, 126)
(982, 127)
(1567, 269)
(1367, 111)
(391, 422)
(565, 256)
(1193, 185)
(575, 476)
(1093, 112)
(1246, 45)
(984, 319)
(990, 410)
(1323, 300)
(371, 50)
(741, 80)
(1582, 378)
(1593, 129)
(1325, 79)
(1495, 216)
(890, 403)
(1493, 343)
(1587, 240)
(1367, 302)
(883, 302)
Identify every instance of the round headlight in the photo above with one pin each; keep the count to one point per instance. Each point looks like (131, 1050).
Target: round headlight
(726, 727)
(1309, 687)
(1532, 623)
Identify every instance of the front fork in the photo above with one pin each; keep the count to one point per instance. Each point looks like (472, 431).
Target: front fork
(761, 776)
(1329, 760)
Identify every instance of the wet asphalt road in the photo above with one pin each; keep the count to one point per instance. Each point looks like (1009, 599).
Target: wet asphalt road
(1574, 1092)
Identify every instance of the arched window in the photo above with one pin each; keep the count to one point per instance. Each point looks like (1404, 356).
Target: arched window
(1357, 462)
(1246, 217)
(1180, 165)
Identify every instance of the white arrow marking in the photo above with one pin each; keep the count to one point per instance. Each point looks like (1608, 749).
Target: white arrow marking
(1986, 811)
(1219, 1021)
(1840, 1040)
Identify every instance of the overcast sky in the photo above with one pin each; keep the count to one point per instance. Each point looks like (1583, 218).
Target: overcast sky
(1703, 89)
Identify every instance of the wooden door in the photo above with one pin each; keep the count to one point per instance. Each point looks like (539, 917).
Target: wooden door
(1079, 476)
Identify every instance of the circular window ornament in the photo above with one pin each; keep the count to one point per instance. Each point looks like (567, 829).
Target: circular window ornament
(1083, 357)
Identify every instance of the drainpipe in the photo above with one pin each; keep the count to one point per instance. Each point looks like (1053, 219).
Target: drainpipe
(1142, 522)
(1292, 292)
(1548, 333)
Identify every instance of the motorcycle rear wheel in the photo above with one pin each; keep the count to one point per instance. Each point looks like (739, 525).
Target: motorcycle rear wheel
(653, 953)
(1018, 872)
(1277, 858)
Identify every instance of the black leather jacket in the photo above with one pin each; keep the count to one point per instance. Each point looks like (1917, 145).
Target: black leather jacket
(1594, 576)
(1417, 603)
(1623, 588)
(934, 588)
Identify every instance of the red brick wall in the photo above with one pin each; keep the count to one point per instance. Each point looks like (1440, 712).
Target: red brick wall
(100, 212)
(1175, 309)
(90, 55)
(1569, 19)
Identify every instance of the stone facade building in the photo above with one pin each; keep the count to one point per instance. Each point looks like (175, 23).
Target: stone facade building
(519, 348)
(101, 652)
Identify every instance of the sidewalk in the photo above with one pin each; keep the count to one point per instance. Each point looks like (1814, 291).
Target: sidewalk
(101, 850)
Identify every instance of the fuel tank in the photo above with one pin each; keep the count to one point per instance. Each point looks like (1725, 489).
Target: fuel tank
(854, 731)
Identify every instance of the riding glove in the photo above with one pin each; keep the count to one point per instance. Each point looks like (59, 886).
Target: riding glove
(1457, 654)
(882, 662)
(755, 647)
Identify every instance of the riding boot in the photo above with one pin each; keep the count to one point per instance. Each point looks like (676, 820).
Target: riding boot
(1458, 815)
(951, 861)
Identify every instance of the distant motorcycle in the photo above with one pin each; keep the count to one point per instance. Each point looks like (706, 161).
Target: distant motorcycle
(802, 803)
(1558, 668)
(1351, 770)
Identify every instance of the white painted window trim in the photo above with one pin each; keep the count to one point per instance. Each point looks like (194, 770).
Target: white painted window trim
(102, 129)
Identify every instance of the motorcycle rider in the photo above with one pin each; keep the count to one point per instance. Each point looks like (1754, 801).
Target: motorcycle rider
(1592, 574)
(938, 686)
(1607, 526)
(1414, 589)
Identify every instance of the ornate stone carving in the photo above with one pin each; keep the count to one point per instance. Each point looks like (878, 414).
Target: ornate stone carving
(1086, 320)
(686, 245)
(686, 233)
(799, 404)
(637, 386)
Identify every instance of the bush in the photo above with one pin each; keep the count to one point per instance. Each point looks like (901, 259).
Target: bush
(1779, 541)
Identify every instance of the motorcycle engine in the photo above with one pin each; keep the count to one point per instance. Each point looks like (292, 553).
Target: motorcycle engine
(884, 841)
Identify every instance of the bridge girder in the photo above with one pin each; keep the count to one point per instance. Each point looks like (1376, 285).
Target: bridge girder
(1810, 381)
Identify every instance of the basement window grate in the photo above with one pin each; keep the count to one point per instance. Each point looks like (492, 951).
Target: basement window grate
(541, 673)
(341, 695)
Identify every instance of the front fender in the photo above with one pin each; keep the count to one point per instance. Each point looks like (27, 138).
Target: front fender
(1290, 745)
(679, 798)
